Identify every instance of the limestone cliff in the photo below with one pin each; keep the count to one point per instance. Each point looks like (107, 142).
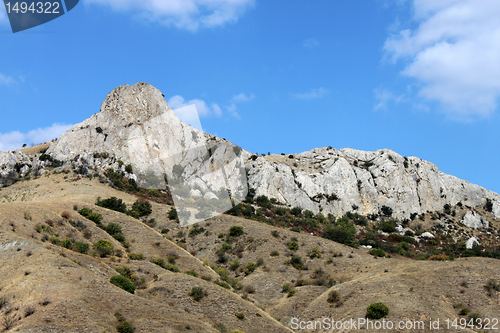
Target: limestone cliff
(135, 125)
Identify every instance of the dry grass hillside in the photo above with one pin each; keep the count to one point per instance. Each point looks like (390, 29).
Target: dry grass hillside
(50, 284)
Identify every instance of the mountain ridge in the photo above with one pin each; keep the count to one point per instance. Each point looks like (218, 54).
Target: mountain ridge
(136, 125)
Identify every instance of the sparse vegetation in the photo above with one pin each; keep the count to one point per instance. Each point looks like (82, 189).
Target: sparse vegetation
(103, 248)
(123, 282)
(377, 311)
(197, 293)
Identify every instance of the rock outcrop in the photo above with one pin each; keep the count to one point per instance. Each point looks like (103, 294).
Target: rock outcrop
(339, 181)
(474, 221)
(13, 165)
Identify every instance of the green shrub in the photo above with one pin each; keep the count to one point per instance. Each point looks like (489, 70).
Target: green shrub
(67, 243)
(293, 245)
(234, 264)
(89, 214)
(463, 311)
(123, 282)
(314, 253)
(333, 297)
(124, 271)
(291, 292)
(296, 211)
(240, 315)
(274, 253)
(377, 311)
(81, 247)
(197, 293)
(223, 284)
(142, 208)
(84, 212)
(172, 214)
(112, 203)
(192, 273)
(124, 327)
(113, 229)
(387, 211)
(263, 201)
(136, 256)
(296, 262)
(103, 247)
(235, 231)
(159, 261)
(377, 252)
(250, 268)
(54, 240)
(388, 226)
(286, 288)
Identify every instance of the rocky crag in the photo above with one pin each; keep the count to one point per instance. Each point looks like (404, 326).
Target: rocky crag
(136, 126)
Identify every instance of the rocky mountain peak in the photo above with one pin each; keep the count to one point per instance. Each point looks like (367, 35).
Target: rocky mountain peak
(139, 102)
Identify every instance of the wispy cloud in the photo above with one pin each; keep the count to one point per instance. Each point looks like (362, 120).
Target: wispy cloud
(6, 80)
(383, 97)
(314, 93)
(16, 139)
(191, 115)
(310, 43)
(232, 109)
(242, 98)
(183, 14)
(453, 53)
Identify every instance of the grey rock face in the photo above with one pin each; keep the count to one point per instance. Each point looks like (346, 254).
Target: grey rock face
(475, 221)
(13, 165)
(135, 125)
(338, 181)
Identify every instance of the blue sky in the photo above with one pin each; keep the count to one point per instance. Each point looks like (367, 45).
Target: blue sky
(419, 77)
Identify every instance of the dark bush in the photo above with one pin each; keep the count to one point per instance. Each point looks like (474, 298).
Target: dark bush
(124, 327)
(386, 211)
(123, 282)
(197, 293)
(142, 207)
(113, 203)
(103, 247)
(333, 296)
(235, 231)
(388, 226)
(377, 311)
(377, 252)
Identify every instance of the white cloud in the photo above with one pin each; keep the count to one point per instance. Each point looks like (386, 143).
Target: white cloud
(6, 80)
(16, 139)
(310, 43)
(191, 115)
(315, 93)
(454, 53)
(183, 14)
(384, 97)
(242, 98)
(232, 110)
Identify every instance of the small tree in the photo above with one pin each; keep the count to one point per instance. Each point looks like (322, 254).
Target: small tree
(103, 247)
(122, 282)
(113, 203)
(377, 311)
(235, 231)
(142, 207)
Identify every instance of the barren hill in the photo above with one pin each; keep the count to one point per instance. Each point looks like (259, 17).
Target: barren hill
(90, 240)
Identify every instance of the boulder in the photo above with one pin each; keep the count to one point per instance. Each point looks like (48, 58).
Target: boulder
(471, 243)
(474, 220)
